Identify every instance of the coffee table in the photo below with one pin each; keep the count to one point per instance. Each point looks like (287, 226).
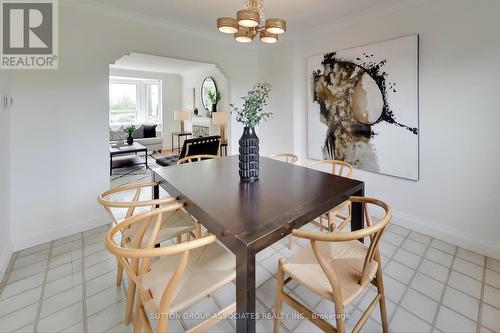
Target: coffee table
(121, 156)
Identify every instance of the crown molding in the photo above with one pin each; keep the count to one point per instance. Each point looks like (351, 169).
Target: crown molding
(368, 14)
(123, 14)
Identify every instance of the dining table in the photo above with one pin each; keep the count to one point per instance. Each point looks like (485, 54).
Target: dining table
(249, 217)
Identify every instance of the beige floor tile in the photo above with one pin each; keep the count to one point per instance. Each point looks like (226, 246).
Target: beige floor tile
(18, 319)
(443, 246)
(468, 268)
(33, 250)
(420, 237)
(61, 319)
(19, 301)
(404, 321)
(492, 296)
(60, 301)
(493, 278)
(422, 306)
(493, 264)
(439, 257)
(407, 258)
(31, 259)
(27, 271)
(394, 289)
(399, 271)
(491, 318)
(450, 321)
(106, 319)
(414, 247)
(392, 238)
(66, 282)
(427, 286)
(465, 284)
(432, 269)
(461, 303)
(104, 299)
(473, 257)
(22, 285)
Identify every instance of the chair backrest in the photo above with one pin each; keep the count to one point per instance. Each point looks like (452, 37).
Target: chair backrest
(113, 201)
(208, 145)
(196, 158)
(339, 168)
(136, 258)
(374, 231)
(287, 157)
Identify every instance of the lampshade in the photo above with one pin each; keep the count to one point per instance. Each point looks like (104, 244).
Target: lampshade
(182, 115)
(227, 25)
(268, 38)
(219, 118)
(248, 18)
(243, 36)
(275, 26)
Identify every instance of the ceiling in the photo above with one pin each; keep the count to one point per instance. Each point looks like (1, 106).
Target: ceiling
(151, 63)
(301, 15)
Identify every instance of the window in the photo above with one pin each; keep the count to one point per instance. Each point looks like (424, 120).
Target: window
(133, 101)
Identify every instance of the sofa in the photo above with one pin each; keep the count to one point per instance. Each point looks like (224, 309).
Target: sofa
(148, 135)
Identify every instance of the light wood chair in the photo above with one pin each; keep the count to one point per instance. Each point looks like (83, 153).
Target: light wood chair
(287, 157)
(172, 278)
(338, 268)
(343, 169)
(119, 207)
(196, 158)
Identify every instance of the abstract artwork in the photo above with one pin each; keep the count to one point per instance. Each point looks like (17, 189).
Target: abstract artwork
(363, 107)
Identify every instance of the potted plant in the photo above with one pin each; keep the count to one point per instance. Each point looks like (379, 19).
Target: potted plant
(250, 115)
(214, 97)
(129, 130)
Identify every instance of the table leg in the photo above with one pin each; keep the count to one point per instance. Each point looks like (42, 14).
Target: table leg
(179, 143)
(245, 291)
(155, 189)
(357, 221)
(110, 165)
(147, 160)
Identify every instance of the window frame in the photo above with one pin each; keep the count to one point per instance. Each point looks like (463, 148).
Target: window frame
(141, 92)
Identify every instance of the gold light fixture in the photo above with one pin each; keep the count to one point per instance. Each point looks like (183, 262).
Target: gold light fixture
(248, 21)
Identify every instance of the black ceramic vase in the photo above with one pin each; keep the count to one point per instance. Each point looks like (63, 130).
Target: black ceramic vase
(214, 108)
(249, 155)
(130, 139)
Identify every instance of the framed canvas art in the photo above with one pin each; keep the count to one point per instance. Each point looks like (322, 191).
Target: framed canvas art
(363, 107)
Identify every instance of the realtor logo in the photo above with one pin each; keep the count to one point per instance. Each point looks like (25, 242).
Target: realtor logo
(29, 34)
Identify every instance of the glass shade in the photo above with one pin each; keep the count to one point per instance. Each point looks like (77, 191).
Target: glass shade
(248, 18)
(227, 25)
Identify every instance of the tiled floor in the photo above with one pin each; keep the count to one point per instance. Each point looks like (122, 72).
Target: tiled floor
(68, 286)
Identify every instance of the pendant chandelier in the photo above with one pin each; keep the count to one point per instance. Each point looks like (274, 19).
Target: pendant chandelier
(248, 21)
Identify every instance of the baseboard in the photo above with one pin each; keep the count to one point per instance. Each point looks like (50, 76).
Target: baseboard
(56, 233)
(5, 255)
(451, 235)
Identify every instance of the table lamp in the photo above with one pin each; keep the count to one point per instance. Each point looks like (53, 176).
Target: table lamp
(182, 116)
(220, 118)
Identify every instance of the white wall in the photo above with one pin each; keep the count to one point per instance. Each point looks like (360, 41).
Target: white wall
(5, 239)
(276, 67)
(194, 79)
(171, 97)
(59, 141)
(456, 196)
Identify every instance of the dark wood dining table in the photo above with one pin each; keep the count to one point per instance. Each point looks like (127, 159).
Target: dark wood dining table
(249, 217)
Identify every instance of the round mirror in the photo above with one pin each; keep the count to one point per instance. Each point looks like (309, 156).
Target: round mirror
(208, 88)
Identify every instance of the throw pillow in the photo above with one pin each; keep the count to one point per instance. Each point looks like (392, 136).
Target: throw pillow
(138, 133)
(149, 131)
